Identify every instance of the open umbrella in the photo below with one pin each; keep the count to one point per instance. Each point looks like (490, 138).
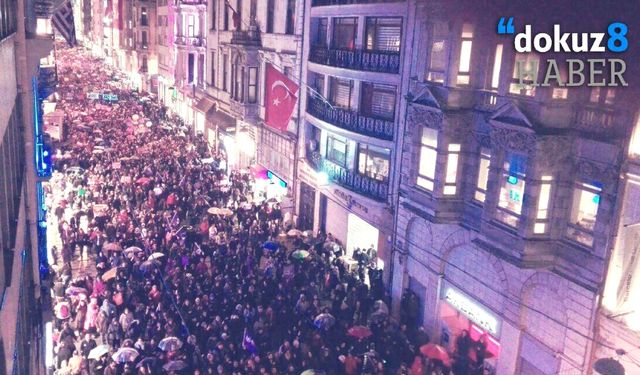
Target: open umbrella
(359, 332)
(124, 355)
(148, 362)
(313, 372)
(112, 246)
(155, 256)
(175, 366)
(100, 209)
(75, 290)
(143, 180)
(98, 351)
(149, 265)
(111, 274)
(608, 366)
(225, 212)
(213, 211)
(294, 233)
(270, 245)
(379, 305)
(300, 254)
(132, 250)
(170, 344)
(324, 321)
(433, 351)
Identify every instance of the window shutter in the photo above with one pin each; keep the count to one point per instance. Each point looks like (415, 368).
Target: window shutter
(387, 35)
(383, 101)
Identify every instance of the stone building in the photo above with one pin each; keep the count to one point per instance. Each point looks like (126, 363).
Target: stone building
(355, 72)
(510, 194)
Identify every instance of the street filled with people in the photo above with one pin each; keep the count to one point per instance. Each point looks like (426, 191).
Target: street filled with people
(164, 261)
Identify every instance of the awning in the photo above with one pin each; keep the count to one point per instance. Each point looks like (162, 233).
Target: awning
(204, 105)
(220, 118)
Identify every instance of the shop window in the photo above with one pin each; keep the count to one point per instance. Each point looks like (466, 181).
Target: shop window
(451, 175)
(584, 212)
(344, 33)
(438, 54)
(497, 64)
(465, 54)
(341, 90)
(378, 101)
(634, 144)
(337, 150)
(525, 74)
(428, 157)
(374, 162)
(383, 34)
(512, 190)
(483, 175)
(542, 214)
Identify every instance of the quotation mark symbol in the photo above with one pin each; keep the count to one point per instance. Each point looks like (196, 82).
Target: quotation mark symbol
(506, 29)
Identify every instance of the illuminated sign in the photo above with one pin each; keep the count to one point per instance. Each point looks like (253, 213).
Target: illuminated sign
(93, 95)
(271, 176)
(472, 310)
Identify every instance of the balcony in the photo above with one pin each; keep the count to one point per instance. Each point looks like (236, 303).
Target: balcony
(247, 37)
(191, 41)
(316, 3)
(357, 59)
(190, 2)
(350, 120)
(363, 185)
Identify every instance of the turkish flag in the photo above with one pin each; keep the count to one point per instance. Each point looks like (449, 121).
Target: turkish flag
(280, 98)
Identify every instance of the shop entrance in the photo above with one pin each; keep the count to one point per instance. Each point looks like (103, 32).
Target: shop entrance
(307, 206)
(361, 235)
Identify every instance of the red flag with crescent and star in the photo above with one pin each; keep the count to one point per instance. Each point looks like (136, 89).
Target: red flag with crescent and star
(280, 98)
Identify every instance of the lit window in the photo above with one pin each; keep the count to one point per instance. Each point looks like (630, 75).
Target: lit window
(595, 95)
(374, 161)
(452, 169)
(428, 156)
(584, 212)
(438, 55)
(465, 54)
(634, 144)
(542, 214)
(525, 74)
(497, 63)
(610, 97)
(512, 190)
(483, 175)
(337, 150)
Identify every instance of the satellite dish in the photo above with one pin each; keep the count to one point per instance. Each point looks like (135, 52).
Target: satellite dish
(608, 366)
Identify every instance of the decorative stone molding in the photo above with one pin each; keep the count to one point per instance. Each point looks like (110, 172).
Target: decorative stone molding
(513, 139)
(596, 171)
(350, 201)
(421, 116)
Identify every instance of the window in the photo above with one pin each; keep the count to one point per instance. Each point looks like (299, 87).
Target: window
(191, 26)
(321, 35)
(317, 84)
(428, 158)
(214, 9)
(497, 63)
(542, 213)
(225, 19)
(144, 64)
(512, 189)
(253, 85)
(634, 143)
(450, 187)
(212, 78)
(525, 74)
(341, 92)
(337, 150)
(271, 10)
(253, 10)
(383, 34)
(378, 100)
(291, 17)
(584, 212)
(238, 10)
(143, 41)
(374, 162)
(438, 55)
(144, 20)
(344, 33)
(483, 175)
(225, 72)
(465, 54)
(191, 61)
(237, 73)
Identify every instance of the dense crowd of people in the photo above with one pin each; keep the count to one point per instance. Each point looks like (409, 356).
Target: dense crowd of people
(192, 274)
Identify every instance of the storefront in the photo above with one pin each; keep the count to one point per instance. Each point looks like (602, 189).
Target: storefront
(268, 185)
(458, 312)
(202, 107)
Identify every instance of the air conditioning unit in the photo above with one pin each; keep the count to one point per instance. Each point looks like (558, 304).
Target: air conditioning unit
(313, 145)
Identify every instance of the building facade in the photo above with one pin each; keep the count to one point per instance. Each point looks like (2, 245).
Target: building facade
(510, 196)
(354, 70)
(25, 38)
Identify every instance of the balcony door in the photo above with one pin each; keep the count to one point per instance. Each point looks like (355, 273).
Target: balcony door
(345, 31)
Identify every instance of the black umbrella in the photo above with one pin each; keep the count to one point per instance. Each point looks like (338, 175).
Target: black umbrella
(608, 366)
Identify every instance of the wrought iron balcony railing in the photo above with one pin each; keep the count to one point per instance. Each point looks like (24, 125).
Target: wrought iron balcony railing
(190, 2)
(356, 59)
(246, 37)
(315, 3)
(363, 185)
(194, 41)
(350, 120)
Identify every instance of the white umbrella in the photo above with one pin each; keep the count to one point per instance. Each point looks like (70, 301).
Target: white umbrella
(155, 256)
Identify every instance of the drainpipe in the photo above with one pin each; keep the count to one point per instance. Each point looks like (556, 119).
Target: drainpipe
(296, 157)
